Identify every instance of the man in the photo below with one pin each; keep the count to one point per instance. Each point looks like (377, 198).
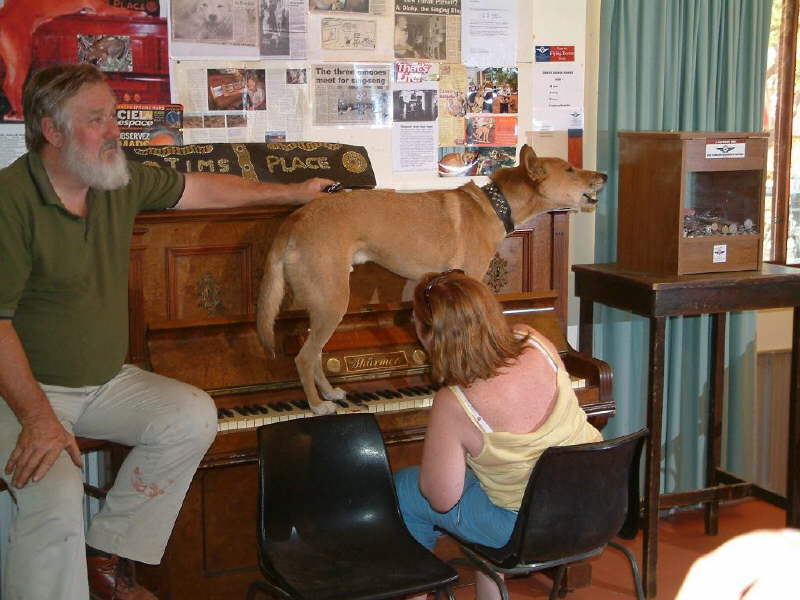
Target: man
(66, 218)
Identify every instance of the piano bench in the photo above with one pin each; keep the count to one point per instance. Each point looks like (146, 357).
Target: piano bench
(85, 445)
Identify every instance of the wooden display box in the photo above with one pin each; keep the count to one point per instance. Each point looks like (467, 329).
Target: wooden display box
(691, 202)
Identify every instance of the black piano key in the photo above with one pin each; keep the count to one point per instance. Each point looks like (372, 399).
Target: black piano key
(371, 396)
(341, 403)
(355, 398)
(276, 406)
(285, 406)
(262, 409)
(241, 410)
(299, 404)
(385, 394)
(227, 412)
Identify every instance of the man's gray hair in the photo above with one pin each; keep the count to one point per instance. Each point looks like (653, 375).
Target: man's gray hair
(46, 94)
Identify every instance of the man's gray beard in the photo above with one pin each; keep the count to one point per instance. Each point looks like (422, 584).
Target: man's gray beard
(97, 174)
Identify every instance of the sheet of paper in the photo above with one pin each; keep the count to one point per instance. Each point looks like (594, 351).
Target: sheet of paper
(414, 133)
(489, 33)
(12, 143)
(557, 89)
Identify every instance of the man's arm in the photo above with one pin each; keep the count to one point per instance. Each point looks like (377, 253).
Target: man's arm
(215, 190)
(42, 437)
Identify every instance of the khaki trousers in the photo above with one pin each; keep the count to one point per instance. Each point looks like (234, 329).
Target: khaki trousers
(169, 425)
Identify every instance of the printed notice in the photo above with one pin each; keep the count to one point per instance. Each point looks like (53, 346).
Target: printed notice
(489, 33)
(557, 89)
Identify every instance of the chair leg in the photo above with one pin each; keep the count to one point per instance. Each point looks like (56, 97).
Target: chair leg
(448, 590)
(637, 578)
(560, 570)
(260, 586)
(476, 561)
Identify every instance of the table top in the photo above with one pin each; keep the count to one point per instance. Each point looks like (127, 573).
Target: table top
(658, 294)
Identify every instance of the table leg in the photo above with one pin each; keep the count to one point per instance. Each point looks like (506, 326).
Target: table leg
(586, 326)
(655, 400)
(793, 462)
(715, 401)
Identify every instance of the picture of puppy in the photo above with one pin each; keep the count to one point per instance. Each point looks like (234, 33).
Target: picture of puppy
(207, 20)
(19, 20)
(458, 164)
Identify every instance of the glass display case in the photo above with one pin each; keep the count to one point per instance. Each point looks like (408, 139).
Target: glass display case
(691, 202)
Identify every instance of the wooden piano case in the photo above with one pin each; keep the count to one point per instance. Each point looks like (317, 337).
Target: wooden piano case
(193, 289)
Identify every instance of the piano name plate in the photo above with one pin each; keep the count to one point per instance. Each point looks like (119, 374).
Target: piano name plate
(377, 361)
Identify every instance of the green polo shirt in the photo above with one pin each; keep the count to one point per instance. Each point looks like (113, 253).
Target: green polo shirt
(64, 278)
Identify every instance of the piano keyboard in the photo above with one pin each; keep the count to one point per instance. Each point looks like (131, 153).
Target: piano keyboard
(250, 416)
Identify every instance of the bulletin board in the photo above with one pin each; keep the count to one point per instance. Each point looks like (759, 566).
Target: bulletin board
(437, 91)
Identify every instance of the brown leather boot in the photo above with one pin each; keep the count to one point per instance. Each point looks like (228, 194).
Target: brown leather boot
(111, 578)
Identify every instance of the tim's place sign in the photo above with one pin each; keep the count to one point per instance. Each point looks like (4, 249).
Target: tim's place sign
(283, 162)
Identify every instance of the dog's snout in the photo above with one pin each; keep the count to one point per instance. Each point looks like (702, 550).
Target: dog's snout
(212, 17)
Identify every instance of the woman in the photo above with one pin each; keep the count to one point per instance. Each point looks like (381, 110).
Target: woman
(507, 397)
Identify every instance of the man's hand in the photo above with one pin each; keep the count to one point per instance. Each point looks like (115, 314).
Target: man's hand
(309, 189)
(38, 446)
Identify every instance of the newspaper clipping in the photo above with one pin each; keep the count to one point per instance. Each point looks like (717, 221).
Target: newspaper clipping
(348, 34)
(414, 134)
(283, 29)
(427, 30)
(240, 101)
(219, 22)
(351, 94)
(150, 124)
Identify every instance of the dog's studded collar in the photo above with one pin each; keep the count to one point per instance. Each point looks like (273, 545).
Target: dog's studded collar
(499, 204)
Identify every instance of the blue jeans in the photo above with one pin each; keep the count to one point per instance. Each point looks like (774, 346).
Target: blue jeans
(474, 518)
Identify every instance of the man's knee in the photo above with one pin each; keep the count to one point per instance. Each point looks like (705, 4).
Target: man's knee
(196, 419)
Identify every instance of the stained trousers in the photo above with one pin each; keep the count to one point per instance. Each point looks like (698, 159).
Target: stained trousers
(168, 424)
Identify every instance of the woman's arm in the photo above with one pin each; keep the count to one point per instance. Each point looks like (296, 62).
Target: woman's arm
(441, 478)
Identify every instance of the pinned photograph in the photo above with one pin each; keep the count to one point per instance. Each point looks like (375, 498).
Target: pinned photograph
(202, 21)
(255, 95)
(420, 37)
(226, 89)
(296, 76)
(493, 90)
(415, 105)
(274, 28)
(106, 52)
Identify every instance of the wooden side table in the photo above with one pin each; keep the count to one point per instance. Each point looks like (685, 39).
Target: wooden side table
(657, 297)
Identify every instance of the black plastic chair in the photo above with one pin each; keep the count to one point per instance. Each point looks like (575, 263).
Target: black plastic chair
(578, 498)
(329, 524)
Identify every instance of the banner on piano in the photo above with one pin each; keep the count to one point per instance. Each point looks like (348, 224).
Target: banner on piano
(281, 162)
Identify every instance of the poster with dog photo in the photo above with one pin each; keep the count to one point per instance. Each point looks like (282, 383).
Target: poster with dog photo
(493, 90)
(200, 29)
(463, 161)
(491, 131)
(106, 52)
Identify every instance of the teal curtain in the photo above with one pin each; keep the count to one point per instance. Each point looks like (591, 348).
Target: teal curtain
(684, 65)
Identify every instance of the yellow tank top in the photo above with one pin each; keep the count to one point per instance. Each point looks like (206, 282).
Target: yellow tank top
(506, 461)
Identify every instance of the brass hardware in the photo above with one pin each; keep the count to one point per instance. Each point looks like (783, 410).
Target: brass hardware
(209, 293)
(419, 357)
(334, 365)
(497, 275)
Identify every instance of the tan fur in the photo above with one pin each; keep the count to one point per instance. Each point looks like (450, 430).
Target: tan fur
(315, 247)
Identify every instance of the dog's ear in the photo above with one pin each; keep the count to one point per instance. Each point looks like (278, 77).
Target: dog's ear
(531, 163)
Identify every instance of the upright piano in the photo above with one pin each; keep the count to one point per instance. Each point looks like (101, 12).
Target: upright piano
(193, 288)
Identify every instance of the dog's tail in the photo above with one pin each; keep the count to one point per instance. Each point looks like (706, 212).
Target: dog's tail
(272, 289)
